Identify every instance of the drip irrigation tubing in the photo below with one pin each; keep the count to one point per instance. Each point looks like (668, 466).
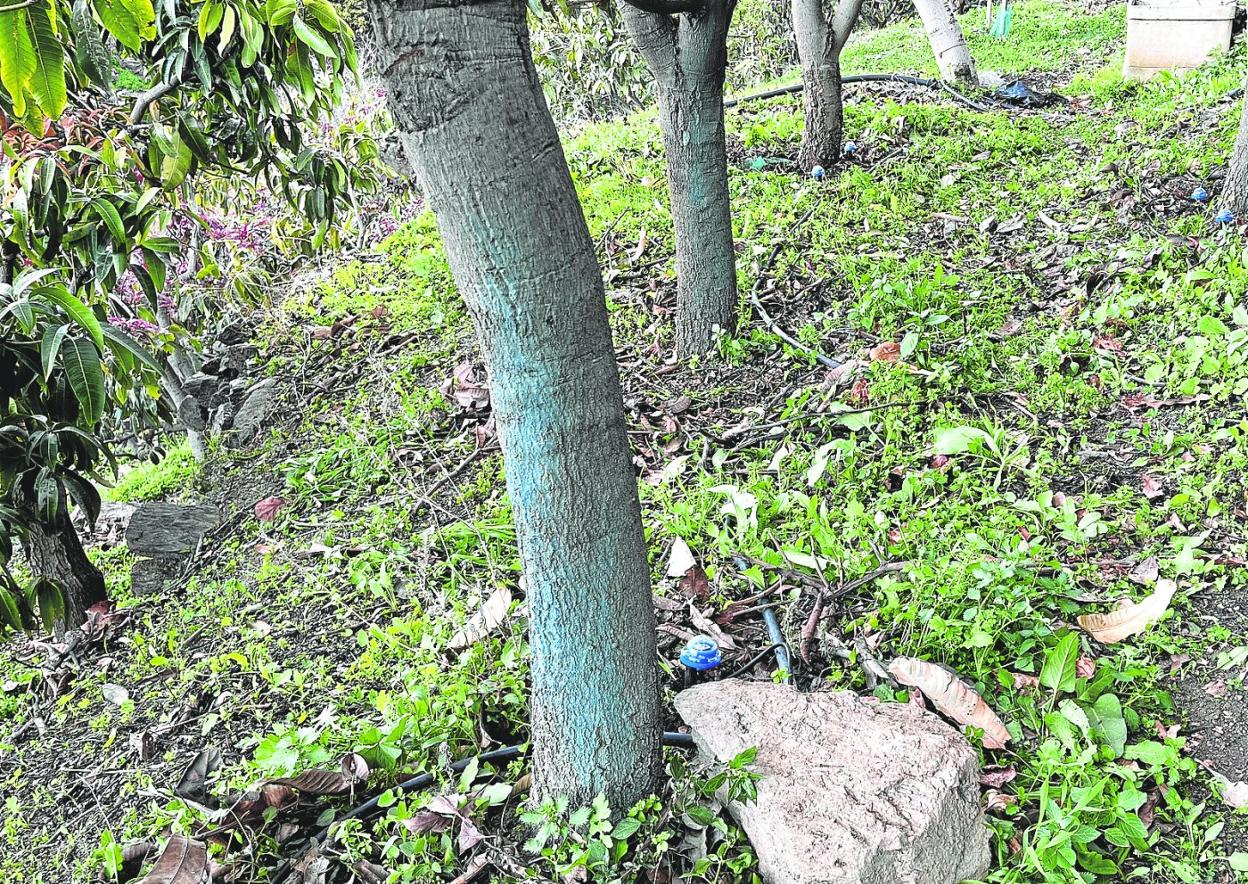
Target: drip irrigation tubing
(864, 78)
(425, 780)
(784, 659)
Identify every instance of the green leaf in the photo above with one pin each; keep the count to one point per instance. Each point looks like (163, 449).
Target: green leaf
(86, 378)
(50, 599)
(84, 494)
(111, 218)
(17, 58)
(47, 83)
(1059, 669)
(1107, 720)
(1238, 861)
(130, 21)
(1212, 326)
(93, 56)
(625, 828)
(10, 614)
(78, 311)
(1150, 752)
(50, 346)
(280, 12)
(958, 440)
(118, 340)
(313, 40)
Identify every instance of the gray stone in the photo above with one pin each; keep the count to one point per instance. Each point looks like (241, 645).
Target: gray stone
(152, 576)
(169, 529)
(854, 791)
(202, 387)
(251, 415)
(192, 414)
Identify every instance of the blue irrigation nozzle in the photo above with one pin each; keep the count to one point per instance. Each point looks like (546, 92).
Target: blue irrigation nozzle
(1200, 195)
(818, 173)
(1224, 217)
(850, 147)
(701, 653)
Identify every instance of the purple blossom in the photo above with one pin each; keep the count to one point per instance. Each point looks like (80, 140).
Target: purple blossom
(136, 327)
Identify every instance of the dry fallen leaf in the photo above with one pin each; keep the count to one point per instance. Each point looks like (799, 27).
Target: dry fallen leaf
(1146, 572)
(317, 782)
(951, 696)
(1151, 487)
(681, 558)
(267, 509)
(485, 621)
(1130, 619)
(183, 861)
(889, 351)
(1234, 794)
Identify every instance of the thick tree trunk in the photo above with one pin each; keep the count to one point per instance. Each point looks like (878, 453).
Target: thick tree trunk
(688, 56)
(953, 56)
(55, 552)
(476, 128)
(1235, 188)
(819, 45)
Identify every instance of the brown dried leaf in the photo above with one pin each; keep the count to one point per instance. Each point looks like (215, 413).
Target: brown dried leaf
(316, 782)
(427, 822)
(488, 618)
(354, 768)
(183, 861)
(889, 351)
(1146, 572)
(267, 509)
(996, 777)
(276, 795)
(1151, 487)
(469, 835)
(1085, 667)
(695, 585)
(1023, 681)
(202, 766)
(1130, 619)
(952, 696)
(370, 873)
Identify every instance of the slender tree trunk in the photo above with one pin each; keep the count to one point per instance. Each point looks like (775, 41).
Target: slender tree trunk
(953, 56)
(476, 128)
(55, 552)
(1235, 188)
(688, 56)
(819, 45)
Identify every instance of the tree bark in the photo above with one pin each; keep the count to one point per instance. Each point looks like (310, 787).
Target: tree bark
(55, 552)
(1235, 188)
(819, 45)
(688, 55)
(465, 95)
(953, 56)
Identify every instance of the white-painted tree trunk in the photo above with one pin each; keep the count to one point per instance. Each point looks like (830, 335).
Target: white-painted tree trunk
(953, 56)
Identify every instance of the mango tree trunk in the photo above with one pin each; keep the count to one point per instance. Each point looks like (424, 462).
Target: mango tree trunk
(1235, 188)
(54, 551)
(475, 126)
(819, 45)
(688, 56)
(953, 56)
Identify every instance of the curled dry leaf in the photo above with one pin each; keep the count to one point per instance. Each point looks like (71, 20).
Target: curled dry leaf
(1234, 793)
(996, 777)
(486, 620)
(889, 351)
(1130, 619)
(1023, 681)
(681, 558)
(183, 861)
(1085, 667)
(952, 696)
(994, 800)
(1151, 487)
(1146, 572)
(354, 768)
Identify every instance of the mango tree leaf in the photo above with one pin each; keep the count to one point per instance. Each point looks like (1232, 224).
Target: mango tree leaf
(120, 341)
(17, 58)
(94, 58)
(47, 83)
(50, 347)
(86, 378)
(958, 440)
(309, 36)
(130, 21)
(111, 218)
(77, 310)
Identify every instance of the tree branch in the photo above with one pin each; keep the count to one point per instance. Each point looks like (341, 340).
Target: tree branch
(16, 6)
(157, 92)
(843, 19)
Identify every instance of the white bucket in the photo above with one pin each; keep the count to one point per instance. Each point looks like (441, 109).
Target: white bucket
(1175, 36)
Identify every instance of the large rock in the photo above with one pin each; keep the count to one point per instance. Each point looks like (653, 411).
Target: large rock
(854, 791)
(169, 529)
(254, 411)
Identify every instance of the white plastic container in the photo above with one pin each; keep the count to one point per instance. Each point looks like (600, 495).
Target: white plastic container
(1175, 37)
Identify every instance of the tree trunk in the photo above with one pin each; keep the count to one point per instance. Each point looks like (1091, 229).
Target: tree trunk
(55, 552)
(1235, 188)
(688, 56)
(953, 56)
(465, 95)
(819, 45)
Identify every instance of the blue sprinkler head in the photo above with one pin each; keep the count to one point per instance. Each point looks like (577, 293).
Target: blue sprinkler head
(756, 164)
(817, 173)
(1200, 195)
(850, 147)
(701, 654)
(1224, 217)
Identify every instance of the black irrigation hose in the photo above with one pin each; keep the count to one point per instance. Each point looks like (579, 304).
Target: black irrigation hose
(864, 78)
(784, 658)
(425, 780)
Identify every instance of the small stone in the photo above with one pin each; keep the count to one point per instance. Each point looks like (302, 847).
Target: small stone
(853, 791)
